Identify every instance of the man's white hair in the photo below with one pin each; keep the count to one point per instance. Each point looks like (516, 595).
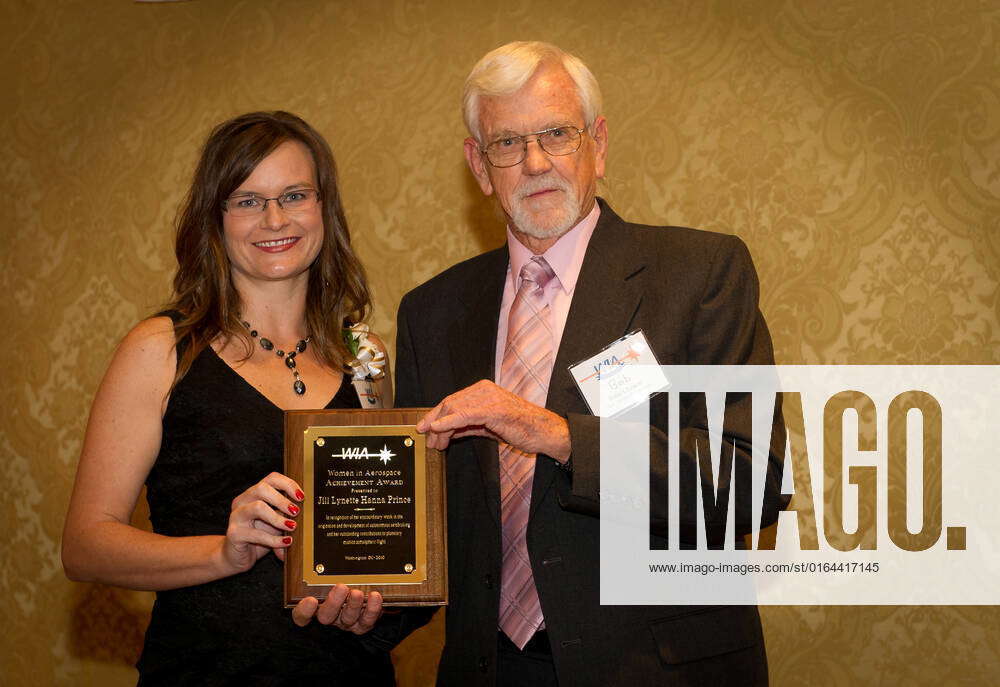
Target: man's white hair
(504, 70)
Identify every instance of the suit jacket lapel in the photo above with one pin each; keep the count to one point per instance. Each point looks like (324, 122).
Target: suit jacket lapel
(472, 342)
(607, 296)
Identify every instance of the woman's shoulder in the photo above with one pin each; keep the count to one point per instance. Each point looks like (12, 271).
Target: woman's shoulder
(142, 369)
(155, 332)
(150, 343)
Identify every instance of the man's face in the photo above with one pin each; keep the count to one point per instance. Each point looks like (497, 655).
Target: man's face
(545, 195)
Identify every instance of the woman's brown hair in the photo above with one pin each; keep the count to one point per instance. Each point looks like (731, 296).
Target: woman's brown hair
(204, 295)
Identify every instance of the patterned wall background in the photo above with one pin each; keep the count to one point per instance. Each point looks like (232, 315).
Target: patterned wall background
(854, 145)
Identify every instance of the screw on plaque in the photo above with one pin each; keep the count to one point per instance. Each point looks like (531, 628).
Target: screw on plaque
(408, 441)
(320, 568)
(320, 441)
(408, 568)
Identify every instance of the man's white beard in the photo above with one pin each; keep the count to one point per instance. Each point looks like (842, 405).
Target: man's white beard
(560, 219)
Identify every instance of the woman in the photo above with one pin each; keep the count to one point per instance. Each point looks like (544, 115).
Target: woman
(192, 406)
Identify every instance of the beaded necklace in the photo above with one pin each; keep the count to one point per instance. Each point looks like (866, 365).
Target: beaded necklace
(299, 386)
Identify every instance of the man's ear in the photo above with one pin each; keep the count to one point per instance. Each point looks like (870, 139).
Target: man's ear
(600, 136)
(478, 165)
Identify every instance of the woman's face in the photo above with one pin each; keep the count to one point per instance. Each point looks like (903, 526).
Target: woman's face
(275, 244)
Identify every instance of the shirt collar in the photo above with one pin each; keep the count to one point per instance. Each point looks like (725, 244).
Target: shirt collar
(565, 256)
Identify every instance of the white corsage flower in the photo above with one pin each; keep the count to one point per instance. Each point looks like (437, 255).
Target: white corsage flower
(369, 360)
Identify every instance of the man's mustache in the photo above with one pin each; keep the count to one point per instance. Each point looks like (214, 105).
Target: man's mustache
(541, 184)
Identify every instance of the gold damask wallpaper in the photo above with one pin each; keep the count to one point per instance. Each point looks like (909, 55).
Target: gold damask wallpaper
(854, 145)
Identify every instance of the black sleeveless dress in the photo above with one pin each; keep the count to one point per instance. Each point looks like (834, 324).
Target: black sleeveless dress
(221, 436)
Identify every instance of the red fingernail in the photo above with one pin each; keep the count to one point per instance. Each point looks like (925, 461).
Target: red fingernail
(293, 509)
(286, 540)
(290, 524)
(299, 495)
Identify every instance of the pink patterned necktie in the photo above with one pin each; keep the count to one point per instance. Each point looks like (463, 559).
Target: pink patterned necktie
(525, 371)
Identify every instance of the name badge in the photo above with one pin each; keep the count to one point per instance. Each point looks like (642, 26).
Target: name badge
(611, 373)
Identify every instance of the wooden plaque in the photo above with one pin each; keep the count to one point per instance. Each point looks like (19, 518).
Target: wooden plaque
(374, 514)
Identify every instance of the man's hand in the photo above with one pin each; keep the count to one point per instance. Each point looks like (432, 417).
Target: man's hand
(486, 410)
(344, 607)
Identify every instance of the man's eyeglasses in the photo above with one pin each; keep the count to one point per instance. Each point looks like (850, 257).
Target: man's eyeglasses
(250, 204)
(511, 150)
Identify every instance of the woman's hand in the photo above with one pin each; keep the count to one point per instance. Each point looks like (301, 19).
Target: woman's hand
(261, 520)
(346, 608)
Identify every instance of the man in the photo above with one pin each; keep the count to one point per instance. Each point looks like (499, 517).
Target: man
(488, 343)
